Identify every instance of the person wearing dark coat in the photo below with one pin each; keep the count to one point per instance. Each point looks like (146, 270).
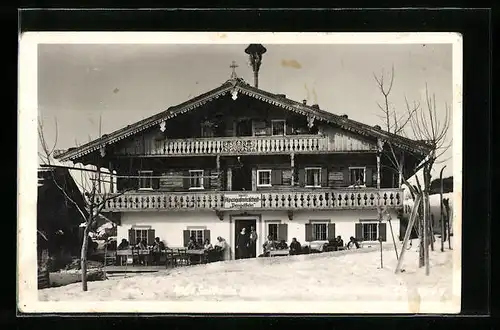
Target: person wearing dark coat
(352, 243)
(242, 244)
(295, 247)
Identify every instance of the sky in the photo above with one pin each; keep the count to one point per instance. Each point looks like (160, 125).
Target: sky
(123, 83)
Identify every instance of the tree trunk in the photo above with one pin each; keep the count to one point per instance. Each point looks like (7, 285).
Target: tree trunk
(83, 256)
(421, 254)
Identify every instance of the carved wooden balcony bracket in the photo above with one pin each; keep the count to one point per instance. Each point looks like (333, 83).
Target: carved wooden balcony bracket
(163, 126)
(234, 90)
(220, 214)
(102, 150)
(290, 215)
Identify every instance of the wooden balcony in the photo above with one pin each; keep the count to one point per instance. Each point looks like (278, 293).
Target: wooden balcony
(327, 199)
(245, 145)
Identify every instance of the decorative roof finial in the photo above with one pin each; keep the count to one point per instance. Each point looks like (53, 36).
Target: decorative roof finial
(233, 74)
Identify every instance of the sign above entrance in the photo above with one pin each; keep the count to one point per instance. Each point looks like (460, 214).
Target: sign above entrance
(236, 201)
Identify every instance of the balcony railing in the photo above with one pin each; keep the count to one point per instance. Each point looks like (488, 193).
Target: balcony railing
(254, 200)
(232, 145)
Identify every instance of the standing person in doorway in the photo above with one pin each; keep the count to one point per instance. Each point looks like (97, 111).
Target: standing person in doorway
(242, 242)
(252, 249)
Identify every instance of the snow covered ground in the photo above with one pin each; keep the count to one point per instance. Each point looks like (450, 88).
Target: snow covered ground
(335, 276)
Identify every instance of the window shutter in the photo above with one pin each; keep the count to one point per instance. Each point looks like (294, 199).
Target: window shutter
(324, 177)
(347, 178)
(359, 232)
(369, 176)
(331, 231)
(186, 235)
(151, 236)
(283, 232)
(309, 232)
(206, 179)
(186, 180)
(206, 235)
(302, 177)
(276, 177)
(383, 232)
(131, 236)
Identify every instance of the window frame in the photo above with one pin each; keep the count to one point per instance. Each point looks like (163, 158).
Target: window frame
(364, 175)
(370, 222)
(150, 174)
(270, 178)
(196, 229)
(319, 177)
(319, 222)
(137, 236)
(276, 121)
(201, 187)
(272, 222)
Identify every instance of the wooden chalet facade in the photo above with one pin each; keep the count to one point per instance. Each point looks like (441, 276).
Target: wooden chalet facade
(238, 156)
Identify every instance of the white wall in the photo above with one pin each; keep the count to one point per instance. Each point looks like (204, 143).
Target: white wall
(169, 226)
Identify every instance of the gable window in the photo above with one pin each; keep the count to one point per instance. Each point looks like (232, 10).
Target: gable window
(145, 180)
(313, 177)
(278, 127)
(263, 178)
(196, 179)
(260, 128)
(357, 175)
(319, 231)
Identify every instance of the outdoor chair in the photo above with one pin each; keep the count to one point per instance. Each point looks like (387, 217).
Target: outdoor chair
(182, 258)
(170, 258)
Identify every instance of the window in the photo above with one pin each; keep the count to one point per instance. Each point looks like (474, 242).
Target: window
(319, 231)
(196, 179)
(260, 128)
(141, 235)
(357, 175)
(272, 230)
(263, 178)
(197, 234)
(145, 180)
(313, 177)
(370, 232)
(278, 127)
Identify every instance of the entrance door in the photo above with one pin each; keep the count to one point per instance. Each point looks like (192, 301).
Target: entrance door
(242, 251)
(244, 128)
(242, 178)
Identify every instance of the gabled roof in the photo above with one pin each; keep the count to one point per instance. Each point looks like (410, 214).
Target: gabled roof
(235, 86)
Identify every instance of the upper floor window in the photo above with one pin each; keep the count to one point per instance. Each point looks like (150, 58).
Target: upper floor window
(278, 127)
(357, 175)
(196, 179)
(263, 178)
(313, 177)
(145, 179)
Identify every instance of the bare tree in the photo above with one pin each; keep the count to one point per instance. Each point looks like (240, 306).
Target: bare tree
(95, 194)
(425, 126)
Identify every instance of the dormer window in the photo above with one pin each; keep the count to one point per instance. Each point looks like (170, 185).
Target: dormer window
(278, 127)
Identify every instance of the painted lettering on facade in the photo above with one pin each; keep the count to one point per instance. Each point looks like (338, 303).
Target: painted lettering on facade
(232, 201)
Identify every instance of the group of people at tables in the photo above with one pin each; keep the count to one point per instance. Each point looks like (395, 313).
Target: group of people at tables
(155, 250)
(296, 248)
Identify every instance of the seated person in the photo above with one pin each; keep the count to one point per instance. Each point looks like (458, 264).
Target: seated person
(192, 244)
(207, 245)
(269, 245)
(339, 242)
(352, 243)
(123, 245)
(282, 245)
(295, 247)
(158, 247)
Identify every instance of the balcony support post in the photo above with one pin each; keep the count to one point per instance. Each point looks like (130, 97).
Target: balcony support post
(401, 170)
(229, 179)
(379, 153)
(292, 166)
(219, 177)
(111, 181)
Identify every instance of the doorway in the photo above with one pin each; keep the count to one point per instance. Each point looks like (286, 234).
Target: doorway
(244, 253)
(244, 127)
(242, 178)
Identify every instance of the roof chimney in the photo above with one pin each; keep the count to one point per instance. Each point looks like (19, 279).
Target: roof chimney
(377, 127)
(304, 102)
(315, 106)
(281, 95)
(255, 52)
(345, 116)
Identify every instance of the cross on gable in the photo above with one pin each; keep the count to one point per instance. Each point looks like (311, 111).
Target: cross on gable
(233, 66)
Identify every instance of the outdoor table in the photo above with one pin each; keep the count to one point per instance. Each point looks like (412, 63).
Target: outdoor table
(274, 253)
(125, 254)
(199, 252)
